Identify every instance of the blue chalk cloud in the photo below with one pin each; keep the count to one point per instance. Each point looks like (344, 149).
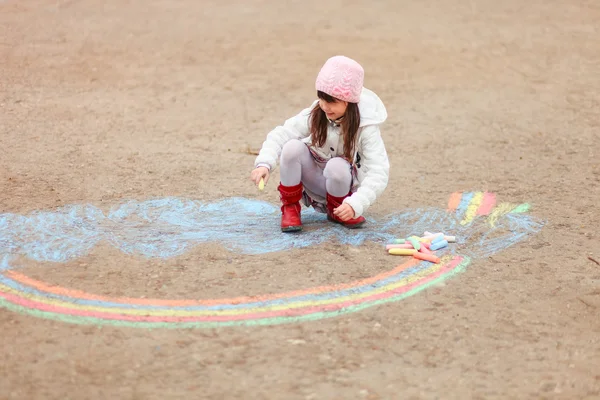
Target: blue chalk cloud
(167, 227)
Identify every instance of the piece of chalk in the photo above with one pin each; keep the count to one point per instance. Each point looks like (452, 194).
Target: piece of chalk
(425, 244)
(437, 237)
(402, 252)
(430, 238)
(398, 246)
(261, 184)
(398, 241)
(427, 257)
(432, 234)
(414, 242)
(425, 250)
(450, 239)
(438, 245)
(436, 242)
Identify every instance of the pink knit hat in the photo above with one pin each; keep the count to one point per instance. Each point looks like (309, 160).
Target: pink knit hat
(342, 78)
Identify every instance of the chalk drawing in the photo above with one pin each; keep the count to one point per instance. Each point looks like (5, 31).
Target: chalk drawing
(165, 228)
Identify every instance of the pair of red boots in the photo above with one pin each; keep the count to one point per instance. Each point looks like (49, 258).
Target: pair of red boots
(290, 210)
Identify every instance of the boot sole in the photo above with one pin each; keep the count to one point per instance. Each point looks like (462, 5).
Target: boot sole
(353, 226)
(291, 229)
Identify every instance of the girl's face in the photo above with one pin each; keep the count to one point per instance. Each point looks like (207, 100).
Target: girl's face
(335, 109)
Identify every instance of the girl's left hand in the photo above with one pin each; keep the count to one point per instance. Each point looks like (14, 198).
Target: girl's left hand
(344, 212)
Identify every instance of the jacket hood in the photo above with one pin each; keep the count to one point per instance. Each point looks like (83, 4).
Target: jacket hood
(372, 110)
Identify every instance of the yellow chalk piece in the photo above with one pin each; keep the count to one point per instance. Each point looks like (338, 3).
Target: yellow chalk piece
(261, 184)
(402, 252)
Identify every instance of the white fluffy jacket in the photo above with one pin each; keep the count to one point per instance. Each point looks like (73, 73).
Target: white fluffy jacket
(371, 158)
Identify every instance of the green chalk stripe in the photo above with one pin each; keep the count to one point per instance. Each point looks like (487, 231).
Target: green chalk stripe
(522, 208)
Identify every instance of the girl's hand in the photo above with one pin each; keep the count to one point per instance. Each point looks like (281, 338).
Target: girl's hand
(258, 173)
(344, 212)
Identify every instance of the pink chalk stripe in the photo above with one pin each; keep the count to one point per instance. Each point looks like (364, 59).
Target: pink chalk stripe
(49, 288)
(487, 204)
(221, 318)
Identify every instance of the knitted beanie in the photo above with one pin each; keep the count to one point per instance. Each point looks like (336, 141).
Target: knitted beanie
(342, 78)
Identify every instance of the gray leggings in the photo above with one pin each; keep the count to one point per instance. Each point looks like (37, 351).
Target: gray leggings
(297, 165)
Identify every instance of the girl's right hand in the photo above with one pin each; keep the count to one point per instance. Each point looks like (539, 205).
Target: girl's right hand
(258, 173)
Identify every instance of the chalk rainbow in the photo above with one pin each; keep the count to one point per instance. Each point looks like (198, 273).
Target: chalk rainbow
(23, 294)
(168, 227)
(469, 205)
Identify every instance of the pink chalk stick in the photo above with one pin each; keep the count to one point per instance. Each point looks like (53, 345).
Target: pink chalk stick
(425, 250)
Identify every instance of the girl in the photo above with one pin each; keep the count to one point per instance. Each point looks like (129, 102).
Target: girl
(331, 154)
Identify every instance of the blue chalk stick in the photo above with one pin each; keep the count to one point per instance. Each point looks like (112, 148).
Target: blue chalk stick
(438, 239)
(438, 245)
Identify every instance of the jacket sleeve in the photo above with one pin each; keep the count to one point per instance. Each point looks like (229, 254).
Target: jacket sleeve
(294, 128)
(376, 166)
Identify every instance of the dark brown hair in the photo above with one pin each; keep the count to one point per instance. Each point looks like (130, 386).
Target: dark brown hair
(318, 125)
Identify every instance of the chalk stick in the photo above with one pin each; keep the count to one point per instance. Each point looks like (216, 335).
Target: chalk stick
(398, 246)
(432, 234)
(398, 241)
(436, 242)
(438, 245)
(427, 257)
(432, 238)
(261, 184)
(436, 237)
(425, 244)
(450, 239)
(402, 252)
(425, 250)
(414, 242)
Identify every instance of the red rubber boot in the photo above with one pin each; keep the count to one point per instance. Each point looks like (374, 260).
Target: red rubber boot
(334, 202)
(290, 210)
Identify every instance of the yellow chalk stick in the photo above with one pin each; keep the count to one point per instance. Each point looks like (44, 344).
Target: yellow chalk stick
(399, 246)
(261, 184)
(402, 252)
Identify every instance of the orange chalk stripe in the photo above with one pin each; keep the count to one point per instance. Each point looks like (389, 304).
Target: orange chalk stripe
(454, 201)
(427, 257)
